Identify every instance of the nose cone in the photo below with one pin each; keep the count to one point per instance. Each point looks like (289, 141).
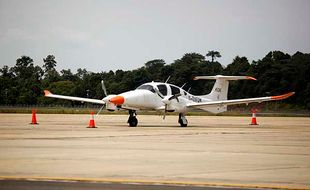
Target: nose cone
(117, 100)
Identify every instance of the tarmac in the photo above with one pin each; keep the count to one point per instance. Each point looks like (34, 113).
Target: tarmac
(214, 151)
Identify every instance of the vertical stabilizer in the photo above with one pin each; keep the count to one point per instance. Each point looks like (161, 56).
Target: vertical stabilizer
(220, 89)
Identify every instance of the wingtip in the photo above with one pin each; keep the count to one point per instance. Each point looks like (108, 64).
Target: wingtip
(283, 96)
(46, 93)
(250, 78)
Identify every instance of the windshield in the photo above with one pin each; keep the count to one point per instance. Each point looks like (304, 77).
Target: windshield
(146, 87)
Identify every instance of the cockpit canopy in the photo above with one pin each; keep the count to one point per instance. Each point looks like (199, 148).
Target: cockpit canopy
(164, 89)
(146, 87)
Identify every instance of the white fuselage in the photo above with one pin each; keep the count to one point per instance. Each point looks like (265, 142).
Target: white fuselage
(153, 95)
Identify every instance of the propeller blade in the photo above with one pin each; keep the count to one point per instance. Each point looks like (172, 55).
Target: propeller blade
(175, 97)
(104, 88)
(158, 93)
(164, 117)
(100, 109)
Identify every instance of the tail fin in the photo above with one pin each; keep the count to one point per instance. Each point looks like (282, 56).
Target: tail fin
(220, 88)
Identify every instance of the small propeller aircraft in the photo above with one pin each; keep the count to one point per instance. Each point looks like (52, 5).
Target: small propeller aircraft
(170, 98)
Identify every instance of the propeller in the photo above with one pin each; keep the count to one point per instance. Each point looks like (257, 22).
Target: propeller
(105, 94)
(100, 109)
(159, 93)
(104, 88)
(164, 116)
(167, 101)
(175, 96)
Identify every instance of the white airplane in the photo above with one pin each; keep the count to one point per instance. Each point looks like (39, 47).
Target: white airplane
(170, 98)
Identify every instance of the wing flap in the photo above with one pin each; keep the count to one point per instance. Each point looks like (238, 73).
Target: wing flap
(241, 101)
(51, 95)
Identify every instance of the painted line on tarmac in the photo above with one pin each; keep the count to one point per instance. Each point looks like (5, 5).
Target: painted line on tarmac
(148, 182)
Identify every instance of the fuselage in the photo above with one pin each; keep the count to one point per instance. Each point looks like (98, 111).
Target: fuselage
(155, 95)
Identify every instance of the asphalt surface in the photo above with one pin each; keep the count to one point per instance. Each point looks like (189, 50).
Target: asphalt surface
(52, 185)
(212, 151)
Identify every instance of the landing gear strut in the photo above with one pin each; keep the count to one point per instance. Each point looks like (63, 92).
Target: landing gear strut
(132, 120)
(182, 120)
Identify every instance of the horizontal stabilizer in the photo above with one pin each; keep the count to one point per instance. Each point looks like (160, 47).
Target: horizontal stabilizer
(224, 77)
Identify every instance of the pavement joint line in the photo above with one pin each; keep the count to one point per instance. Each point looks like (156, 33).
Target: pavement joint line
(148, 182)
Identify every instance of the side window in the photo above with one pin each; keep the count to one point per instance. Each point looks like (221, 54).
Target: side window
(174, 90)
(162, 89)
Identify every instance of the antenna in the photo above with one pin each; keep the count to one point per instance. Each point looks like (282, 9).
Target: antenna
(168, 78)
(189, 89)
(183, 85)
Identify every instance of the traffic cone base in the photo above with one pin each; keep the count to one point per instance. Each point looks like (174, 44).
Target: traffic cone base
(254, 122)
(91, 124)
(34, 118)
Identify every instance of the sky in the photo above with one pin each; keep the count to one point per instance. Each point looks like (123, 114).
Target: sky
(102, 35)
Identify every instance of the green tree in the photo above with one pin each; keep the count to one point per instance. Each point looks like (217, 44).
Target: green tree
(154, 67)
(49, 63)
(27, 78)
(213, 54)
(51, 74)
(6, 85)
(239, 66)
(66, 74)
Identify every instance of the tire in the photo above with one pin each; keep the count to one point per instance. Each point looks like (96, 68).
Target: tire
(182, 124)
(133, 122)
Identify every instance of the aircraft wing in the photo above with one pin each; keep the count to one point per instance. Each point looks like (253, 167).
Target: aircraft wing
(51, 95)
(240, 101)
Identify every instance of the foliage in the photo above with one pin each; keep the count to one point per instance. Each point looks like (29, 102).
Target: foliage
(277, 73)
(213, 54)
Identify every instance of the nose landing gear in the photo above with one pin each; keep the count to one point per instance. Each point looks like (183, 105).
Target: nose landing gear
(132, 120)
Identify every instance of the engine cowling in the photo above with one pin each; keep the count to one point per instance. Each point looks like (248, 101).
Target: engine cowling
(110, 106)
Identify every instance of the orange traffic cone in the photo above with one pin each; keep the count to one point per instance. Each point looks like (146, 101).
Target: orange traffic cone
(34, 118)
(92, 121)
(254, 122)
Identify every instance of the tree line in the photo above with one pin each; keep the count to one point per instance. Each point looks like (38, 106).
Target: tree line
(277, 73)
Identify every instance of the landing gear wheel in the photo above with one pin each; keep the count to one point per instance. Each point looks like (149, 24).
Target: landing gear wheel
(182, 120)
(132, 120)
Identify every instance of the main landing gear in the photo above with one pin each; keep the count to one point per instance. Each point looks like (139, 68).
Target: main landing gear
(182, 120)
(132, 120)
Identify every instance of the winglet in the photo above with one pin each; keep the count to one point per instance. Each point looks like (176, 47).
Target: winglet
(46, 93)
(284, 96)
(250, 78)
